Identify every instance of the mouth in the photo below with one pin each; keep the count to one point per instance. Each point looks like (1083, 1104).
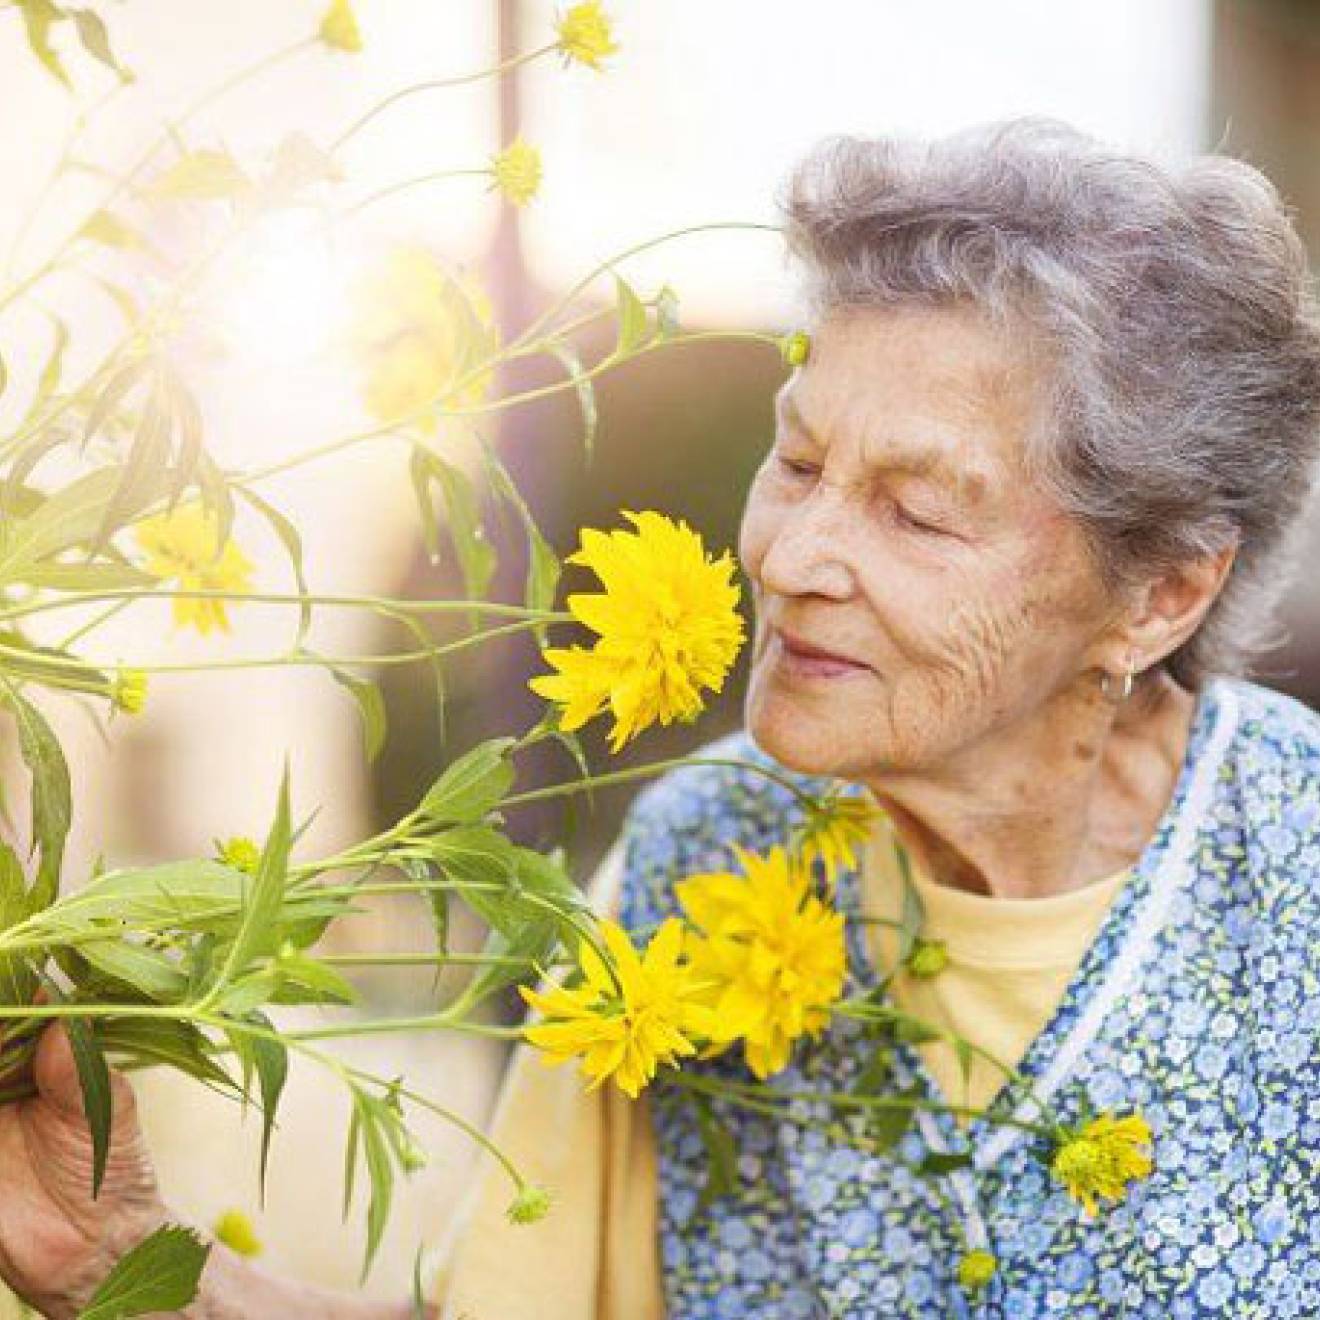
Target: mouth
(801, 658)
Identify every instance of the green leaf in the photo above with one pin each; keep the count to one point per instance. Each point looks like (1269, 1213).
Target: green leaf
(204, 175)
(963, 1051)
(543, 567)
(888, 1124)
(352, 1140)
(196, 895)
(912, 1032)
(272, 1063)
(52, 372)
(630, 312)
(299, 164)
(472, 785)
(524, 931)
(185, 422)
(153, 973)
(876, 1076)
(162, 1273)
(106, 227)
(467, 534)
(476, 855)
(38, 16)
(374, 1115)
(913, 914)
(936, 1162)
(263, 900)
(103, 414)
(67, 519)
(721, 1153)
(141, 472)
(217, 496)
(124, 301)
(94, 1079)
(371, 707)
(96, 41)
(307, 980)
(52, 796)
(585, 388)
(291, 540)
(163, 1041)
(17, 979)
(86, 577)
(417, 1298)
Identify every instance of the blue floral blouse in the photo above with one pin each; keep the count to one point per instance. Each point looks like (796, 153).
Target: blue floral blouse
(1198, 1003)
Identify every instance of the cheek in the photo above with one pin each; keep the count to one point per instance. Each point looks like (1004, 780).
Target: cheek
(753, 529)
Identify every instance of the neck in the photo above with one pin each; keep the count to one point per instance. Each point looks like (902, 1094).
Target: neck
(1067, 797)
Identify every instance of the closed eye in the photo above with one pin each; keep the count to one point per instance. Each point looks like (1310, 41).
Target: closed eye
(795, 467)
(801, 470)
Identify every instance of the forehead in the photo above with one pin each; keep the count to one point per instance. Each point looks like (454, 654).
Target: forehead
(917, 387)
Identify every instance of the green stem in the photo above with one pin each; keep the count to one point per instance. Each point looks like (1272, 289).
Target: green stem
(403, 184)
(277, 598)
(655, 768)
(422, 1022)
(425, 960)
(537, 327)
(431, 85)
(290, 660)
(124, 181)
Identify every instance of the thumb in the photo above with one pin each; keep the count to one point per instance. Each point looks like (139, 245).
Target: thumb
(55, 1071)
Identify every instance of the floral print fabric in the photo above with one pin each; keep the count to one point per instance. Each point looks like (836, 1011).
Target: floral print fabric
(1198, 1004)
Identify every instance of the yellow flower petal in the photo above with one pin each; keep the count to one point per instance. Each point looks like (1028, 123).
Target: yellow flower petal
(668, 629)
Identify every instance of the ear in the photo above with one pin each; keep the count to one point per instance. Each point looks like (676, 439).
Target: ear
(1170, 608)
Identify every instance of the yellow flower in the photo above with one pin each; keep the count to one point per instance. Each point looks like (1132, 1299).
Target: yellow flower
(976, 1269)
(586, 34)
(239, 852)
(770, 951)
(339, 28)
(531, 1204)
(419, 336)
(623, 1031)
(235, 1230)
(128, 691)
(183, 543)
(517, 171)
(833, 831)
(1104, 1155)
(668, 628)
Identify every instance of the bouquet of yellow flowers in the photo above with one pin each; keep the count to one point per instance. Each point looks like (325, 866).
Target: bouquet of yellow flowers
(110, 498)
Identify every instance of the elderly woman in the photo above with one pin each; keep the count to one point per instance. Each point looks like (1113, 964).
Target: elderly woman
(1029, 506)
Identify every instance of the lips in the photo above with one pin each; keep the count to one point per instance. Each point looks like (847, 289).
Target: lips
(799, 649)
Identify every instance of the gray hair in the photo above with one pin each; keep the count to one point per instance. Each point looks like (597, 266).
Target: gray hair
(1183, 407)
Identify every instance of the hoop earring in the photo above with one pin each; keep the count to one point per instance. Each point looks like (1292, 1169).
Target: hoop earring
(1129, 678)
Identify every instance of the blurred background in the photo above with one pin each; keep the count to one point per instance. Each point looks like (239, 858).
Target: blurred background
(696, 119)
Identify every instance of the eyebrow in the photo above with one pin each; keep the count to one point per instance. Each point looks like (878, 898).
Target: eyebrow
(899, 458)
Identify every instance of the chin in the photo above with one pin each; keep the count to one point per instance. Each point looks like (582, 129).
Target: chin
(795, 737)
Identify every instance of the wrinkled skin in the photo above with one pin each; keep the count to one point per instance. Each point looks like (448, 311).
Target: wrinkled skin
(893, 523)
(56, 1243)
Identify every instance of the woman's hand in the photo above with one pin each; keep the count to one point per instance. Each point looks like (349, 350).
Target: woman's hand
(56, 1242)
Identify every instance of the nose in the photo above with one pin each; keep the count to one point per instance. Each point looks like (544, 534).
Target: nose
(808, 555)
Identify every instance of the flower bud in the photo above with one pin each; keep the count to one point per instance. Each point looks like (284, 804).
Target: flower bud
(531, 1203)
(976, 1269)
(796, 348)
(927, 958)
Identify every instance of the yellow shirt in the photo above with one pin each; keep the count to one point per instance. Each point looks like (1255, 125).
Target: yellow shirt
(596, 1256)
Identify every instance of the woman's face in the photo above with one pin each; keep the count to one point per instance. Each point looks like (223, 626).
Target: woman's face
(891, 525)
